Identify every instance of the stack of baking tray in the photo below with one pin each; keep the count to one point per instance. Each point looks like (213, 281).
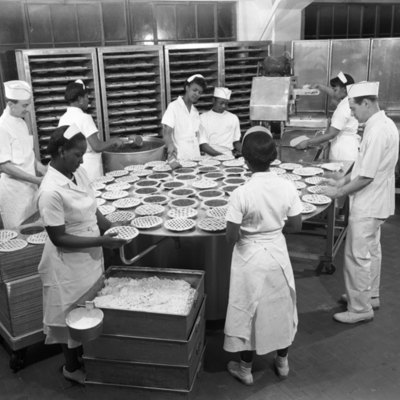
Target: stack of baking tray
(132, 89)
(148, 350)
(49, 71)
(183, 61)
(240, 65)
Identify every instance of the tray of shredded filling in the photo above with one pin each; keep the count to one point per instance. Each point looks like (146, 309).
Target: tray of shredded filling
(150, 302)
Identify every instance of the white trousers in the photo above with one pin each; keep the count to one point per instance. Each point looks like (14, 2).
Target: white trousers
(362, 262)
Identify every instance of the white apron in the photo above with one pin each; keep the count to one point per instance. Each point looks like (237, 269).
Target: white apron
(344, 148)
(93, 165)
(188, 148)
(252, 262)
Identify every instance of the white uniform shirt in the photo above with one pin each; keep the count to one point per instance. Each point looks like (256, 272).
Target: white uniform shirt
(219, 130)
(377, 159)
(262, 205)
(345, 145)
(186, 128)
(84, 121)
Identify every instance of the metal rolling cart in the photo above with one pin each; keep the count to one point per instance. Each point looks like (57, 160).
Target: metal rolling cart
(132, 89)
(48, 71)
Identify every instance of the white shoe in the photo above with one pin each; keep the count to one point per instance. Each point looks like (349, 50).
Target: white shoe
(76, 376)
(240, 372)
(281, 365)
(349, 317)
(375, 302)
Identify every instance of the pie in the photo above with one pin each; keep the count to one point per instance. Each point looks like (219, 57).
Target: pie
(204, 184)
(307, 208)
(225, 157)
(147, 222)
(278, 171)
(229, 188)
(118, 186)
(332, 166)
(299, 185)
(37, 238)
(234, 171)
(317, 189)
(107, 209)
(215, 203)
(187, 163)
(155, 199)
(292, 177)
(7, 234)
(186, 177)
(276, 162)
(103, 179)
(145, 191)
(209, 162)
(100, 202)
(13, 245)
(127, 202)
(217, 212)
(212, 224)
(308, 171)
(183, 192)
(117, 173)
(131, 178)
(115, 195)
(289, 166)
(97, 193)
(150, 209)
(172, 185)
(182, 212)
(237, 162)
(162, 168)
(210, 193)
(234, 181)
(156, 163)
(179, 224)
(124, 232)
(135, 167)
(314, 180)
(97, 185)
(159, 176)
(208, 168)
(214, 175)
(183, 202)
(146, 183)
(185, 170)
(120, 216)
(317, 199)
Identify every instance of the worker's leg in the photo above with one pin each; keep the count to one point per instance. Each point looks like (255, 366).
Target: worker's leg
(376, 260)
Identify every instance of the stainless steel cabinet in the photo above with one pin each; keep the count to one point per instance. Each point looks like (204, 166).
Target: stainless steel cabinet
(49, 71)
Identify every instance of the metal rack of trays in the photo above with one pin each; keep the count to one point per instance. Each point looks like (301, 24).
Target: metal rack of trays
(132, 89)
(185, 60)
(240, 66)
(49, 71)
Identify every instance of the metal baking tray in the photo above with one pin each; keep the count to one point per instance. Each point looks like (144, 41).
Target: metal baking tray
(148, 324)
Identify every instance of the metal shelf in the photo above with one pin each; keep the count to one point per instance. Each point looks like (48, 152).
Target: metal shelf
(132, 89)
(48, 71)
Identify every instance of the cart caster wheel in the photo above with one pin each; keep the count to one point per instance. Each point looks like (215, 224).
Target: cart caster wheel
(330, 269)
(17, 360)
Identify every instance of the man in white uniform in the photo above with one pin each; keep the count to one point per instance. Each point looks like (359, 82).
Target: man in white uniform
(342, 132)
(371, 188)
(219, 129)
(19, 168)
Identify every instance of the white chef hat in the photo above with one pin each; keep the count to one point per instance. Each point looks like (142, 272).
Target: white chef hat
(222, 92)
(364, 88)
(190, 79)
(17, 90)
(80, 81)
(257, 128)
(71, 131)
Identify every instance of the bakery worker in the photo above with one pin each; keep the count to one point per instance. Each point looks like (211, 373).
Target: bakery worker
(181, 121)
(77, 96)
(371, 187)
(342, 131)
(19, 168)
(219, 128)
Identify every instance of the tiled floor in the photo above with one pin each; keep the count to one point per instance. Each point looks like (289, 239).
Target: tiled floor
(329, 361)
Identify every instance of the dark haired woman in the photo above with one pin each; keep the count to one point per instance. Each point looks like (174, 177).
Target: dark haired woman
(181, 121)
(262, 315)
(72, 259)
(76, 94)
(342, 131)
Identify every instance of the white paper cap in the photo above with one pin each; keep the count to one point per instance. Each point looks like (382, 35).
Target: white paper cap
(257, 128)
(223, 93)
(17, 90)
(195, 76)
(71, 131)
(342, 78)
(80, 82)
(361, 89)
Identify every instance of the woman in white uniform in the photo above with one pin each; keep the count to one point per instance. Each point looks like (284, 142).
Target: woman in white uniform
(342, 132)
(19, 168)
(76, 95)
(262, 314)
(72, 259)
(181, 121)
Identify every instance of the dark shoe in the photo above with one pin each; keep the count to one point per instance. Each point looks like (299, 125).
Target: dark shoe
(375, 302)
